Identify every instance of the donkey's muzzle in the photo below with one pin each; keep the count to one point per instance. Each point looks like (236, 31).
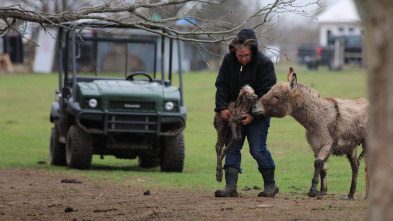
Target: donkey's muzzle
(257, 109)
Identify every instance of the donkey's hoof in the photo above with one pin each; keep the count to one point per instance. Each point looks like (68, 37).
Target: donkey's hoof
(348, 198)
(322, 193)
(219, 175)
(312, 193)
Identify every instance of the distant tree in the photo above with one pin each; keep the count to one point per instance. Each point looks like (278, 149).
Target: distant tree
(378, 22)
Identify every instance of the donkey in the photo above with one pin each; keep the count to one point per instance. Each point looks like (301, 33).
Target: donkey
(241, 106)
(333, 126)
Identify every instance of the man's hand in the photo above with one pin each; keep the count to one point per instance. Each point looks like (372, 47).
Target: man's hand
(247, 119)
(225, 114)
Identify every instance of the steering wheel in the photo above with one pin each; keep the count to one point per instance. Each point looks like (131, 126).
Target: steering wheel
(131, 76)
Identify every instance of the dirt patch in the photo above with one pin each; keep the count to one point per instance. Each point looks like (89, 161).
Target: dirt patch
(32, 194)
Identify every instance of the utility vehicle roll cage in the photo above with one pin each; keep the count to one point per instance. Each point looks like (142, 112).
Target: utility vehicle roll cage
(67, 38)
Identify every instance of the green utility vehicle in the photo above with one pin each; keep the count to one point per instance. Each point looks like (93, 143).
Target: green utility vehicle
(117, 97)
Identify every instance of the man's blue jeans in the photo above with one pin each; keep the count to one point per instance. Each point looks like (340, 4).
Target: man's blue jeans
(256, 133)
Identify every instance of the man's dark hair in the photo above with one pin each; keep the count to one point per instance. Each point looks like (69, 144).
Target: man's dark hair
(237, 42)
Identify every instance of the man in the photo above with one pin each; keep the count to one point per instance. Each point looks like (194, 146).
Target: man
(245, 64)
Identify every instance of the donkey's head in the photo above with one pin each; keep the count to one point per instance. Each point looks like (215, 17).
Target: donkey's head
(247, 97)
(276, 102)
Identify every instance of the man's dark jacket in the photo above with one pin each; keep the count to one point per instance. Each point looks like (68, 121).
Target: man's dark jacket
(258, 73)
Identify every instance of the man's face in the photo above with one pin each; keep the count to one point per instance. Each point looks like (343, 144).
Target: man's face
(243, 55)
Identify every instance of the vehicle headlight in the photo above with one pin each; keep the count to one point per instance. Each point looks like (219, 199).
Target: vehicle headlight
(169, 106)
(93, 103)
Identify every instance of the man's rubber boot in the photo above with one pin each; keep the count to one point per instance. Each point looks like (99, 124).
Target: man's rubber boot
(269, 185)
(231, 175)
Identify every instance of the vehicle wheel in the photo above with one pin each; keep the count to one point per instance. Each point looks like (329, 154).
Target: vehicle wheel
(57, 150)
(79, 148)
(148, 162)
(172, 156)
(331, 65)
(312, 65)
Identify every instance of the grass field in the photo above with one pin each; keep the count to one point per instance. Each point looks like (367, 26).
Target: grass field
(25, 101)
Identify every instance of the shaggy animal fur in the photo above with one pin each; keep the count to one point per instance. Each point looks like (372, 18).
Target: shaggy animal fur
(333, 125)
(238, 108)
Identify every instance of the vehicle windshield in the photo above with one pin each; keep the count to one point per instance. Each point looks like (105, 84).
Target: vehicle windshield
(110, 53)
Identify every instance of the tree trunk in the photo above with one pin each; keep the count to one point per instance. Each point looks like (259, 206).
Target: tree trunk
(378, 24)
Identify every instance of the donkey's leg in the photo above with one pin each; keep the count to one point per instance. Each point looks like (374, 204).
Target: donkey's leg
(219, 175)
(219, 145)
(236, 137)
(323, 179)
(222, 132)
(318, 165)
(322, 157)
(352, 157)
(227, 148)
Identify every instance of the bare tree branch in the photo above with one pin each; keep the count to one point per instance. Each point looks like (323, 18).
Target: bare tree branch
(132, 15)
(208, 21)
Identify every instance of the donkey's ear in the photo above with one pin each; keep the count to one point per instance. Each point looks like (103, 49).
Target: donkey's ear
(290, 73)
(292, 82)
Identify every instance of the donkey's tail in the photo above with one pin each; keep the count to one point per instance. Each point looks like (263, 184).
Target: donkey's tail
(363, 154)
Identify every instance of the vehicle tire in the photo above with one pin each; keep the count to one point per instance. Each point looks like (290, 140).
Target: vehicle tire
(79, 148)
(57, 152)
(148, 162)
(312, 65)
(172, 155)
(331, 65)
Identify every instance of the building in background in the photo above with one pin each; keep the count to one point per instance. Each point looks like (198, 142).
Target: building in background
(340, 38)
(339, 19)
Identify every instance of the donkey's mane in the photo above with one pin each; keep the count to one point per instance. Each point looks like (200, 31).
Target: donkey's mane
(305, 89)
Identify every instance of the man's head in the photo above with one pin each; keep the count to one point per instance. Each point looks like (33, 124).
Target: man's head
(244, 46)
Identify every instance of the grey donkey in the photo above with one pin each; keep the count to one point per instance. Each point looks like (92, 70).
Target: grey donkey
(243, 105)
(333, 125)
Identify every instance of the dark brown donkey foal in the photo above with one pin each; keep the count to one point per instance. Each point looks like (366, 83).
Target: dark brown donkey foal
(238, 108)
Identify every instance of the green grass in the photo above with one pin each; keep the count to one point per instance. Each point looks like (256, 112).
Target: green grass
(25, 101)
